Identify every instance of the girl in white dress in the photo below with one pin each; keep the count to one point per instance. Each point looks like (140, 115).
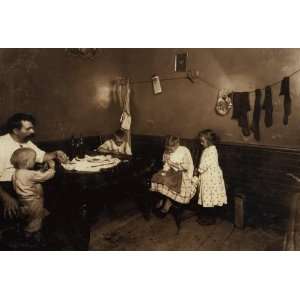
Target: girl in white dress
(175, 180)
(212, 191)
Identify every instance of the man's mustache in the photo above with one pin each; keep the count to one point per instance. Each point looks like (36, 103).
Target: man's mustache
(29, 137)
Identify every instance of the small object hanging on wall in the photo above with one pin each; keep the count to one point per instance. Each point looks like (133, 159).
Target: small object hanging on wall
(192, 75)
(181, 62)
(224, 103)
(156, 85)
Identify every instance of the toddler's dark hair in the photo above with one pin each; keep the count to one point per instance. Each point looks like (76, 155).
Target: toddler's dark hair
(210, 136)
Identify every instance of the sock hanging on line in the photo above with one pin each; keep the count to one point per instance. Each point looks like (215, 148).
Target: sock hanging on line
(287, 101)
(268, 107)
(241, 107)
(256, 115)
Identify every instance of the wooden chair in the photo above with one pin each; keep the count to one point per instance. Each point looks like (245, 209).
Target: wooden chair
(178, 208)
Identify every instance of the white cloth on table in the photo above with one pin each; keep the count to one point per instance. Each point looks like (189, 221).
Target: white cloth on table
(212, 190)
(7, 147)
(92, 164)
(182, 158)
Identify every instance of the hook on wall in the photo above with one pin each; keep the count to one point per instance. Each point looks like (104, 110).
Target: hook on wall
(192, 75)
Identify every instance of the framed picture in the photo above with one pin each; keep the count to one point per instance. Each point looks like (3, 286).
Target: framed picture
(181, 62)
(156, 85)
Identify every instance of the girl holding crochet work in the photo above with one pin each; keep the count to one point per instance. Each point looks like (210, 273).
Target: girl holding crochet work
(175, 180)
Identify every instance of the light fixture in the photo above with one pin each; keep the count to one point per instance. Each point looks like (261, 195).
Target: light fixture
(82, 52)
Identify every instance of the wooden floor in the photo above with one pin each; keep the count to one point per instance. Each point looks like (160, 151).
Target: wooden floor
(133, 232)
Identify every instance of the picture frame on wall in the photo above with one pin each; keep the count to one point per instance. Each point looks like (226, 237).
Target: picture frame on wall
(181, 62)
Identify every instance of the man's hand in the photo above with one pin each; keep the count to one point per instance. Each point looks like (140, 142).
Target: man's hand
(61, 156)
(10, 206)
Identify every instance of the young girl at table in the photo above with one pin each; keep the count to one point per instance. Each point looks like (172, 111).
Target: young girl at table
(212, 191)
(27, 184)
(118, 144)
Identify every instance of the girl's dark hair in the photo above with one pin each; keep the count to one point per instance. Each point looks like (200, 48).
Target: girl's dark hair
(120, 133)
(15, 121)
(210, 136)
(171, 141)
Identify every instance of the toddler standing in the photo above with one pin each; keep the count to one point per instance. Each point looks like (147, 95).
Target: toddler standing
(27, 184)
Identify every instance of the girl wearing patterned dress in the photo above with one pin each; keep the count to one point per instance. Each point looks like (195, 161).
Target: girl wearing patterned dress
(212, 191)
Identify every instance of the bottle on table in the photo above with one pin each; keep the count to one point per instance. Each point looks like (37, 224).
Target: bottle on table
(81, 147)
(73, 146)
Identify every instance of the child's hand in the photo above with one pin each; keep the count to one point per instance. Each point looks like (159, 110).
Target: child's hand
(166, 167)
(44, 167)
(196, 173)
(172, 164)
(177, 166)
(51, 164)
(61, 156)
(293, 176)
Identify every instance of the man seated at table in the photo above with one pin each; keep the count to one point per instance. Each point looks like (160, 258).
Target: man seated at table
(20, 130)
(117, 145)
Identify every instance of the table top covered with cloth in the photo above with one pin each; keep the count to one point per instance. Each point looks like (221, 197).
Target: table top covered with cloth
(94, 173)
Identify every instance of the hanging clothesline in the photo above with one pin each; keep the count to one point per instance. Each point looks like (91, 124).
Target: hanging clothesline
(210, 84)
(163, 79)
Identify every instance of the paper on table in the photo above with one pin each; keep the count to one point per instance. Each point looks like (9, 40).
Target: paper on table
(86, 165)
(98, 158)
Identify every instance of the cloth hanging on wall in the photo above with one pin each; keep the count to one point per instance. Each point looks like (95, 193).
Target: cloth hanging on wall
(268, 107)
(256, 115)
(123, 92)
(125, 121)
(241, 107)
(287, 101)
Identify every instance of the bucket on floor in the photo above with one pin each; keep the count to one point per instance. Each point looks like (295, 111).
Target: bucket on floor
(239, 205)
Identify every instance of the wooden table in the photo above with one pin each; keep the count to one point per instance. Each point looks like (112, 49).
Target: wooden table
(79, 195)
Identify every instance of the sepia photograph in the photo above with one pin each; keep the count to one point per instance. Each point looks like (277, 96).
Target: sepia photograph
(160, 160)
(91, 158)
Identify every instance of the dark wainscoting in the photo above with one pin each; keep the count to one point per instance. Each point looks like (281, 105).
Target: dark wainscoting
(258, 171)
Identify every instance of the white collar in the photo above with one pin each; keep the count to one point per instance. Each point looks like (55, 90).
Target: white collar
(14, 141)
